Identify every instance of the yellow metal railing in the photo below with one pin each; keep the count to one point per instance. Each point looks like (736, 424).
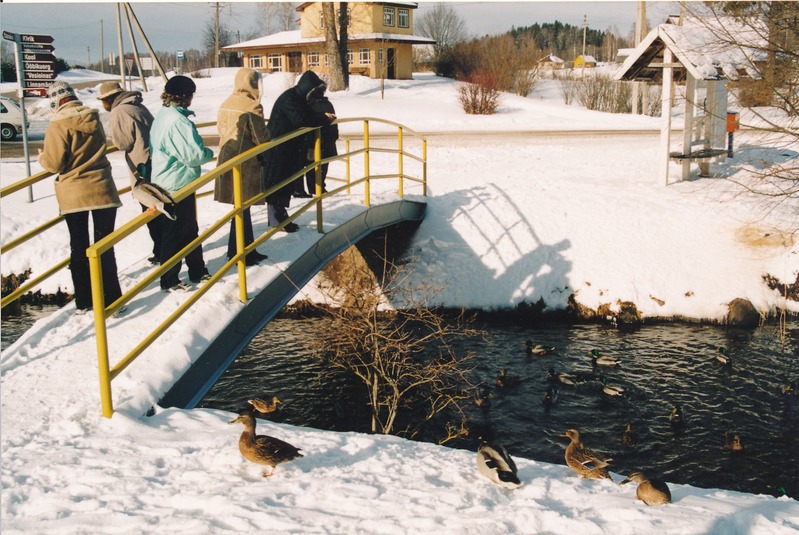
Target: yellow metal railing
(103, 311)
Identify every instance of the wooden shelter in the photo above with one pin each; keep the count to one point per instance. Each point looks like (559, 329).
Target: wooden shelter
(693, 54)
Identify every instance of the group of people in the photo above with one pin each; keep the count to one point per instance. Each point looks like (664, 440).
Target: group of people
(168, 151)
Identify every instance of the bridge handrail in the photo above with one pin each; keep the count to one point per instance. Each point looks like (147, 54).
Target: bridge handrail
(103, 312)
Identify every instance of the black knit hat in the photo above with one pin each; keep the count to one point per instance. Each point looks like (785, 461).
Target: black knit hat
(180, 85)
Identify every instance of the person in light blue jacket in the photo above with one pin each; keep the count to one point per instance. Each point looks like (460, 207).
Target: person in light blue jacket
(177, 152)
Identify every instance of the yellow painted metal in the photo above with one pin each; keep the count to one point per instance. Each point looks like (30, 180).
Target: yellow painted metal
(317, 157)
(239, 219)
(399, 152)
(103, 312)
(367, 194)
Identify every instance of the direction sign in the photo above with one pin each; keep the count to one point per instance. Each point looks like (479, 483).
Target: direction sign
(35, 92)
(37, 84)
(37, 56)
(37, 66)
(35, 38)
(39, 75)
(37, 48)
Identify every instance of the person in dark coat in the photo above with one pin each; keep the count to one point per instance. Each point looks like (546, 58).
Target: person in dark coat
(329, 135)
(292, 110)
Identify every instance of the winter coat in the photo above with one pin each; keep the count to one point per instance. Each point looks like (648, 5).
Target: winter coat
(129, 129)
(290, 112)
(329, 133)
(176, 148)
(241, 126)
(74, 147)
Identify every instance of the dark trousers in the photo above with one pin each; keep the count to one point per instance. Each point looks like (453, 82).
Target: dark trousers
(249, 236)
(310, 179)
(276, 214)
(155, 232)
(78, 225)
(175, 235)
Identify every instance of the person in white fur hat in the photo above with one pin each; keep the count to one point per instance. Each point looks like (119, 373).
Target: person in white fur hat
(74, 148)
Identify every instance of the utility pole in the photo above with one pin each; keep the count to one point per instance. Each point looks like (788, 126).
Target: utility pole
(88, 57)
(216, 36)
(585, 30)
(102, 47)
(640, 30)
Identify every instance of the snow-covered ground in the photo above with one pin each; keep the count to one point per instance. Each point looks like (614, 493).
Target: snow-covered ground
(511, 217)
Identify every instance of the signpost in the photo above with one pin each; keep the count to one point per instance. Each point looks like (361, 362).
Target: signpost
(35, 74)
(179, 55)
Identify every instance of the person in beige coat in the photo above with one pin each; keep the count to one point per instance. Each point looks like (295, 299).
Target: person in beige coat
(74, 148)
(241, 126)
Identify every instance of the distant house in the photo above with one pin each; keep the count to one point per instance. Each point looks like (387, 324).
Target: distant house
(551, 62)
(379, 36)
(623, 53)
(584, 61)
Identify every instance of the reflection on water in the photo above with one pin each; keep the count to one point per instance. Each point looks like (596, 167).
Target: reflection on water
(15, 324)
(663, 365)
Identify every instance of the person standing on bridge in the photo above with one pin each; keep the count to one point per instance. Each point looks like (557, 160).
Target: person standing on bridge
(74, 148)
(329, 135)
(177, 153)
(292, 110)
(241, 126)
(129, 129)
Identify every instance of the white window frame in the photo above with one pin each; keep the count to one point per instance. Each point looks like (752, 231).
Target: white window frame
(389, 16)
(313, 58)
(403, 18)
(365, 56)
(381, 53)
(275, 62)
(256, 61)
(350, 56)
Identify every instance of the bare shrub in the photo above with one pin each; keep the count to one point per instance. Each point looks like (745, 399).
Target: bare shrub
(201, 73)
(478, 95)
(568, 87)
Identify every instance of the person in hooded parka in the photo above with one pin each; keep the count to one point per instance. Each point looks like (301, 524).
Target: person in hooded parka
(292, 110)
(241, 126)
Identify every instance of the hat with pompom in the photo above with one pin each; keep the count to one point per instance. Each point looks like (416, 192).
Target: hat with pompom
(60, 93)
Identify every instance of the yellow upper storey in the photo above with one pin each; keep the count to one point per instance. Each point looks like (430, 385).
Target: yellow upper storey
(365, 18)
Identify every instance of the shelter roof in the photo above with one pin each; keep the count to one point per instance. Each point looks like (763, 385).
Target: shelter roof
(697, 48)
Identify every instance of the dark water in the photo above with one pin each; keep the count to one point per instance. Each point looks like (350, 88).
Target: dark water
(14, 324)
(663, 365)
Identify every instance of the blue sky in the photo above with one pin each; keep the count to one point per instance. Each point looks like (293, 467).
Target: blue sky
(179, 25)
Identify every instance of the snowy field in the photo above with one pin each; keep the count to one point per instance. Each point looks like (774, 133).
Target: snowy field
(514, 214)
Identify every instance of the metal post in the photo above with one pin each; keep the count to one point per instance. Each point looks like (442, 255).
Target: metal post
(424, 167)
(347, 164)
(121, 49)
(100, 334)
(367, 197)
(401, 182)
(729, 144)
(688, 129)
(317, 156)
(21, 96)
(239, 219)
(665, 125)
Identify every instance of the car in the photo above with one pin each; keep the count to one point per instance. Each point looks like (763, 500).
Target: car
(10, 119)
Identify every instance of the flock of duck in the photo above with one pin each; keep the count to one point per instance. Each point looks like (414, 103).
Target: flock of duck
(493, 460)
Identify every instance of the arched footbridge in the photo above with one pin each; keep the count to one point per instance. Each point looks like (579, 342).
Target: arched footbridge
(356, 204)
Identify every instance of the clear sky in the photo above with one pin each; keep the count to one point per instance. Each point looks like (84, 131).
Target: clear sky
(179, 25)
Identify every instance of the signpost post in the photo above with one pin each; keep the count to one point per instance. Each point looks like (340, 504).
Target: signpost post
(35, 74)
(179, 56)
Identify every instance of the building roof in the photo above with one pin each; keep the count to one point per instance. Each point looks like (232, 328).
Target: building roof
(293, 37)
(552, 58)
(706, 53)
(412, 5)
(587, 58)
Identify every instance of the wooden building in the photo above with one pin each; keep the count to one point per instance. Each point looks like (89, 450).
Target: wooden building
(380, 42)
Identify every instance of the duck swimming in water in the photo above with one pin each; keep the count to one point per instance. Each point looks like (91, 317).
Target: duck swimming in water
(650, 491)
(676, 418)
(723, 357)
(598, 359)
(265, 407)
(537, 350)
(263, 449)
(610, 390)
(587, 463)
(550, 397)
(628, 437)
(494, 462)
(733, 444)
(483, 398)
(505, 380)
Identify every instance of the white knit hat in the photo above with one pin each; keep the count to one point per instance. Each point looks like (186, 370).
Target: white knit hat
(58, 92)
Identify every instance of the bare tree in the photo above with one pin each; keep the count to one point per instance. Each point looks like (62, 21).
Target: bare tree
(336, 80)
(276, 17)
(444, 25)
(403, 358)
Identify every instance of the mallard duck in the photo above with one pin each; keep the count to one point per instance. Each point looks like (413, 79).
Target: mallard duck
(733, 444)
(650, 491)
(568, 379)
(598, 359)
(610, 390)
(483, 398)
(676, 418)
(550, 397)
(505, 380)
(263, 449)
(154, 197)
(628, 437)
(265, 407)
(494, 462)
(723, 356)
(538, 350)
(587, 463)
